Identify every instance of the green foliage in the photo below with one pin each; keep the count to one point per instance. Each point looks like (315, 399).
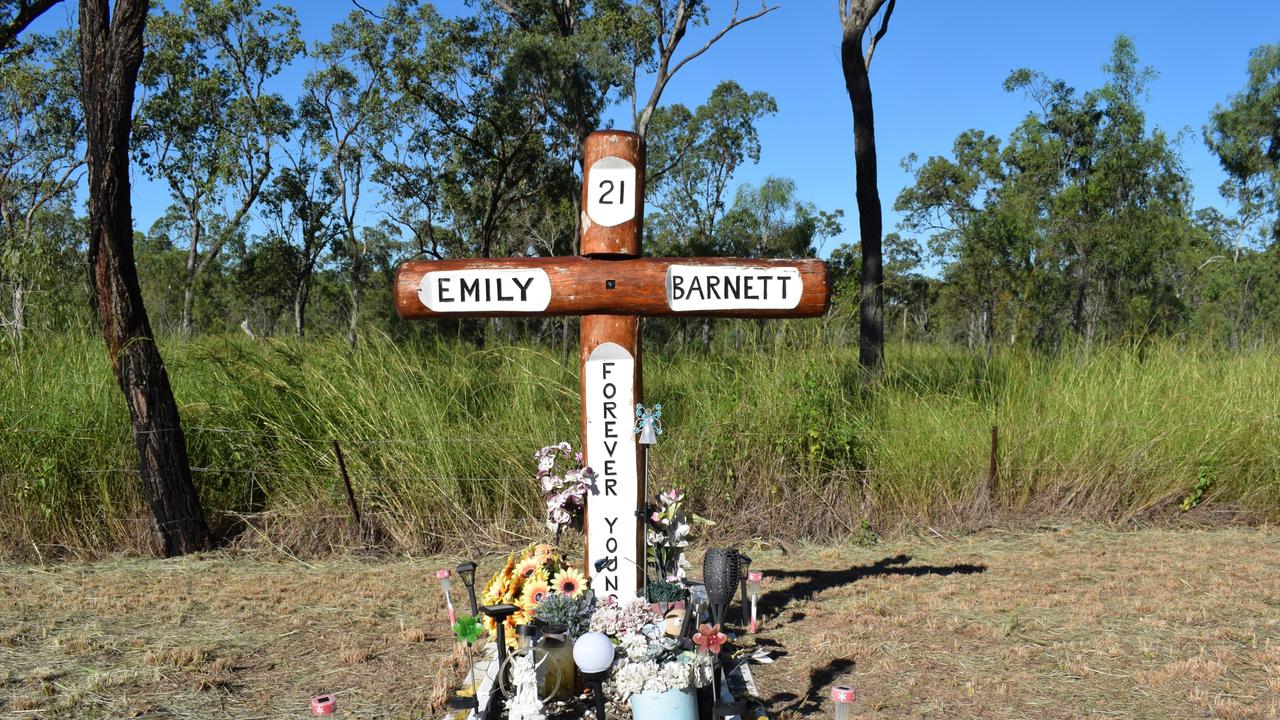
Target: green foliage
(866, 535)
(1245, 135)
(41, 160)
(573, 612)
(661, 591)
(437, 435)
(206, 126)
(692, 157)
(1204, 480)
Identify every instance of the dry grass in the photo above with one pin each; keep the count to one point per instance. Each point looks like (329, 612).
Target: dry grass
(222, 635)
(1069, 623)
(1064, 623)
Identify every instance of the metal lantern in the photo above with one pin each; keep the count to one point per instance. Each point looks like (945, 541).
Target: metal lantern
(720, 575)
(467, 571)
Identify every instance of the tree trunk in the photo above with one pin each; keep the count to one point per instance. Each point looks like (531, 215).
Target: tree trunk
(299, 309)
(189, 279)
(353, 319)
(111, 52)
(871, 312)
(19, 312)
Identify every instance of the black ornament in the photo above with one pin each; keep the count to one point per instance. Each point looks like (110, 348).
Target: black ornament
(720, 573)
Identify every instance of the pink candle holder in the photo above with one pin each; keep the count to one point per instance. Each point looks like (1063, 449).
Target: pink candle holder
(843, 697)
(754, 578)
(324, 705)
(446, 582)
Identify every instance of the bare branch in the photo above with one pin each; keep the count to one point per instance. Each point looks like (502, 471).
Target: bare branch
(668, 49)
(733, 23)
(884, 27)
(367, 11)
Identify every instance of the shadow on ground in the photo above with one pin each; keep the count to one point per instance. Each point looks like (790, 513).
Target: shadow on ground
(810, 583)
(812, 701)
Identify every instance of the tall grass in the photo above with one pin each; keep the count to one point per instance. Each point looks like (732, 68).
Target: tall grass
(790, 443)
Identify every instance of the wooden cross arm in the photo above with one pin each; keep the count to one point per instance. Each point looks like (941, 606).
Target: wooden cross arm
(531, 287)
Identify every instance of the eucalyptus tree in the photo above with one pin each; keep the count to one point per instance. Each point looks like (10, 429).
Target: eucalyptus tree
(692, 157)
(1079, 223)
(207, 126)
(1245, 137)
(770, 220)
(577, 52)
(41, 162)
(856, 17)
(908, 291)
(299, 209)
(111, 52)
(951, 200)
(347, 110)
(475, 139)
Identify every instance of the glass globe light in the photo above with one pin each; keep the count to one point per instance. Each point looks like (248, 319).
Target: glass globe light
(593, 652)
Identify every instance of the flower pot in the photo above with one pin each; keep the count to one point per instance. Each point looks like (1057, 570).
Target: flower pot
(662, 608)
(678, 704)
(559, 672)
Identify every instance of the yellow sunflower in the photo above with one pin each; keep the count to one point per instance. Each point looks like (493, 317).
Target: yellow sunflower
(527, 567)
(535, 592)
(569, 581)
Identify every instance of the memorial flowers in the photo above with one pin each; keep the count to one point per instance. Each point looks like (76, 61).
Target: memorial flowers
(708, 639)
(571, 612)
(569, 581)
(525, 581)
(565, 483)
(671, 529)
(620, 619)
(649, 661)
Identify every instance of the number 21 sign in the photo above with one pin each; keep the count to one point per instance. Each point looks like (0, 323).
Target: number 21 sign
(612, 198)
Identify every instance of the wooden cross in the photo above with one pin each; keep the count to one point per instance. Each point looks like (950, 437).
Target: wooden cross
(610, 285)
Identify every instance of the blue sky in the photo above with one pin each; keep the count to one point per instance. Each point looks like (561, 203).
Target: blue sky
(937, 73)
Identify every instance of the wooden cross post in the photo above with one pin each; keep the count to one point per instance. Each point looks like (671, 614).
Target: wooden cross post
(610, 285)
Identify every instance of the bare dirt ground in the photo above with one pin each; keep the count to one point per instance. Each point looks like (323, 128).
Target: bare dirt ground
(1073, 622)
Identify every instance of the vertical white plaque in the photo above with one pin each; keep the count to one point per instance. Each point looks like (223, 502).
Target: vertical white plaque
(611, 452)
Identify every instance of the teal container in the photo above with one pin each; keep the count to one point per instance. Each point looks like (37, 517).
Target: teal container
(679, 704)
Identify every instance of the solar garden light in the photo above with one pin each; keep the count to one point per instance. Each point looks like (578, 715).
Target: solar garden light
(497, 698)
(467, 571)
(468, 630)
(446, 583)
(744, 562)
(593, 654)
(753, 589)
(843, 696)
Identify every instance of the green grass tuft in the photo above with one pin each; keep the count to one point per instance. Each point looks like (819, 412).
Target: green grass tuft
(439, 437)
